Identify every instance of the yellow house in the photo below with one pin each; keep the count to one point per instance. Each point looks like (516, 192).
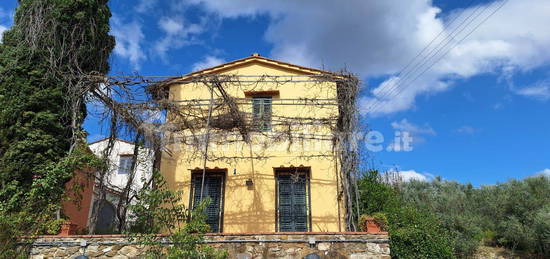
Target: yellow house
(261, 131)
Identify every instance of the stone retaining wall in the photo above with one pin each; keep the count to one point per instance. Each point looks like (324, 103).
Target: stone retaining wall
(241, 246)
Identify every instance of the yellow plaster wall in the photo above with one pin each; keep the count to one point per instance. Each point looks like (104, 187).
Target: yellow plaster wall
(249, 209)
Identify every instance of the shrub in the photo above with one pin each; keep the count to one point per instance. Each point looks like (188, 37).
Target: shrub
(161, 210)
(381, 219)
(375, 196)
(542, 229)
(417, 234)
(488, 237)
(414, 233)
(8, 236)
(411, 242)
(363, 221)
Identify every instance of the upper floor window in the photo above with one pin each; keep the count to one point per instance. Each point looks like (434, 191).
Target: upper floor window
(261, 113)
(125, 164)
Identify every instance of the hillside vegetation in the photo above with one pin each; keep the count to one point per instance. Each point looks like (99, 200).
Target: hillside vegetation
(446, 219)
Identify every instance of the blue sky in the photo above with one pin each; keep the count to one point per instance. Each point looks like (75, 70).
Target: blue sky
(479, 115)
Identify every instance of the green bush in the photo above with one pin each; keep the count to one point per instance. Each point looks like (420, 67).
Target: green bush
(418, 234)
(41, 201)
(375, 196)
(542, 229)
(381, 219)
(159, 210)
(9, 224)
(412, 242)
(363, 222)
(414, 233)
(488, 237)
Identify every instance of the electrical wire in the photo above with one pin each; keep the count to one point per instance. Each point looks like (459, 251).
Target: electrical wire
(396, 90)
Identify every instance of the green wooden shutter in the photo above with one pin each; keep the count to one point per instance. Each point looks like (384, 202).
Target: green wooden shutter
(285, 204)
(300, 203)
(261, 113)
(212, 189)
(292, 202)
(266, 119)
(256, 109)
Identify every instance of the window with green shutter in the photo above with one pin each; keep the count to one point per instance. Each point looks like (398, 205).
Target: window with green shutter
(213, 189)
(261, 113)
(293, 210)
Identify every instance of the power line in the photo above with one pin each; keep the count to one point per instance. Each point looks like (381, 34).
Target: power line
(429, 54)
(395, 90)
(432, 41)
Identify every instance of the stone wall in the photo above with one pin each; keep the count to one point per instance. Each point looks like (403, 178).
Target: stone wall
(241, 246)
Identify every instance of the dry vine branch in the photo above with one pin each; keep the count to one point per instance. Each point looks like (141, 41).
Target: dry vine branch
(221, 119)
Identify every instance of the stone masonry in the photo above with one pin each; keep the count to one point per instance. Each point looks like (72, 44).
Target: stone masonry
(241, 246)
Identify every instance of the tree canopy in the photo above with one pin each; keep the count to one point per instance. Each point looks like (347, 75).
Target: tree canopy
(51, 45)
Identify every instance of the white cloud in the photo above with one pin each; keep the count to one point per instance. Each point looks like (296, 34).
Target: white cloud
(416, 132)
(398, 176)
(177, 34)
(208, 61)
(410, 175)
(129, 38)
(539, 90)
(171, 26)
(378, 38)
(468, 130)
(144, 6)
(405, 125)
(359, 34)
(546, 172)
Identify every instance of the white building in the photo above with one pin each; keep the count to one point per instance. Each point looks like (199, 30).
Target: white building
(118, 176)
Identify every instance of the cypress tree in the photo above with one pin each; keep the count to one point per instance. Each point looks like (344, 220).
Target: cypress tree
(44, 57)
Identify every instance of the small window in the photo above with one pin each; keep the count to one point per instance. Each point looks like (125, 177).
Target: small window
(125, 164)
(261, 112)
